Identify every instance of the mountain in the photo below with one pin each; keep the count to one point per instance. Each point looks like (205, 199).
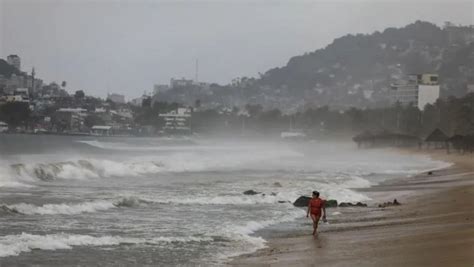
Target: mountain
(353, 71)
(356, 70)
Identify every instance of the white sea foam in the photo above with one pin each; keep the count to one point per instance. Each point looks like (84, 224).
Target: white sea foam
(76, 208)
(244, 233)
(63, 208)
(12, 245)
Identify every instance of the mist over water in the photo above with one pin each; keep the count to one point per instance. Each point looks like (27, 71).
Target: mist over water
(146, 200)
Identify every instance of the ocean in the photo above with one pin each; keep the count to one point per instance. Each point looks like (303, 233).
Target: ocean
(169, 201)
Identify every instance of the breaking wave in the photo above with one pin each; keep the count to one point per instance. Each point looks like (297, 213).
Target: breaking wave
(70, 208)
(13, 245)
(83, 169)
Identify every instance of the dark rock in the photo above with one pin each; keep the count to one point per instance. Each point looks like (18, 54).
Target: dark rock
(331, 203)
(273, 194)
(251, 192)
(302, 201)
(282, 201)
(430, 173)
(277, 184)
(349, 204)
(6, 210)
(345, 204)
(388, 204)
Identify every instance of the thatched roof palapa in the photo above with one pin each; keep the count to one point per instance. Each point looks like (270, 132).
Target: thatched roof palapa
(437, 136)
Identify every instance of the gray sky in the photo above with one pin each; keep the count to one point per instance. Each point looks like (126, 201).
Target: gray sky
(105, 46)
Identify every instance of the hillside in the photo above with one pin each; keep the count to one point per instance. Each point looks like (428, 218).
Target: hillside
(352, 71)
(358, 69)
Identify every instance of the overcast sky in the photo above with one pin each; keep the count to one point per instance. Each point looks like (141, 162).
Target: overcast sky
(125, 47)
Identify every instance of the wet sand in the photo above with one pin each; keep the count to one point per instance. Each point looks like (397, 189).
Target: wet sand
(434, 226)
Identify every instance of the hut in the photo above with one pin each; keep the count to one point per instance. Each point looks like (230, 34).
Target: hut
(437, 138)
(385, 139)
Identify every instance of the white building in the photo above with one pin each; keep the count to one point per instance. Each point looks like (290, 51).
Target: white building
(177, 121)
(3, 127)
(420, 90)
(180, 83)
(116, 98)
(15, 61)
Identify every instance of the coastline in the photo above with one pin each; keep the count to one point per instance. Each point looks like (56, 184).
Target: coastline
(434, 226)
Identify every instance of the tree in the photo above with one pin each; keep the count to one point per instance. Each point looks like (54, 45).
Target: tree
(15, 113)
(79, 94)
(253, 110)
(92, 120)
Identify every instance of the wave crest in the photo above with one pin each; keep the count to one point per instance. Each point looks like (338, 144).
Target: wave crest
(13, 245)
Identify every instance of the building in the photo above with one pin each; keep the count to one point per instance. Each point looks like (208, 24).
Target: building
(116, 98)
(174, 83)
(101, 130)
(459, 34)
(15, 61)
(161, 88)
(137, 102)
(419, 90)
(3, 127)
(70, 119)
(177, 121)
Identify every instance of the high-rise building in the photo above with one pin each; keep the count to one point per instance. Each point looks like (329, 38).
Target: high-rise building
(116, 98)
(419, 90)
(15, 61)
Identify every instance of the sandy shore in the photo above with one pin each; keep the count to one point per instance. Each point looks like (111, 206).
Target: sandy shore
(434, 226)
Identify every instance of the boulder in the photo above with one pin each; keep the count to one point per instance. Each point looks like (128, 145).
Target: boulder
(388, 204)
(331, 203)
(6, 210)
(251, 192)
(345, 204)
(349, 204)
(277, 184)
(302, 201)
(273, 194)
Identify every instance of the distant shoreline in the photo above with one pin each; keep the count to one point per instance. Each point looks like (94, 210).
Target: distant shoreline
(436, 215)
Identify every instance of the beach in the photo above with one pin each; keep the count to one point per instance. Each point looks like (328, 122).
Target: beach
(434, 226)
(72, 200)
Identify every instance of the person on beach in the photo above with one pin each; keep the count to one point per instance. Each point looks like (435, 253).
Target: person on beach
(316, 207)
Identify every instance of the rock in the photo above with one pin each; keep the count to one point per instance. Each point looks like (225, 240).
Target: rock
(388, 204)
(430, 173)
(277, 184)
(281, 201)
(251, 192)
(331, 203)
(273, 194)
(349, 204)
(6, 210)
(345, 204)
(302, 201)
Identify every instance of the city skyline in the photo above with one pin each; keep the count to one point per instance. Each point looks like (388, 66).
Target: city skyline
(125, 47)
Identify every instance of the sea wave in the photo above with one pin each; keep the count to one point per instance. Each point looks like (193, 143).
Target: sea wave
(13, 245)
(83, 169)
(73, 208)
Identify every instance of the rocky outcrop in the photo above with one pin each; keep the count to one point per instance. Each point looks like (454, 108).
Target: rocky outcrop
(302, 201)
(389, 204)
(349, 204)
(251, 192)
